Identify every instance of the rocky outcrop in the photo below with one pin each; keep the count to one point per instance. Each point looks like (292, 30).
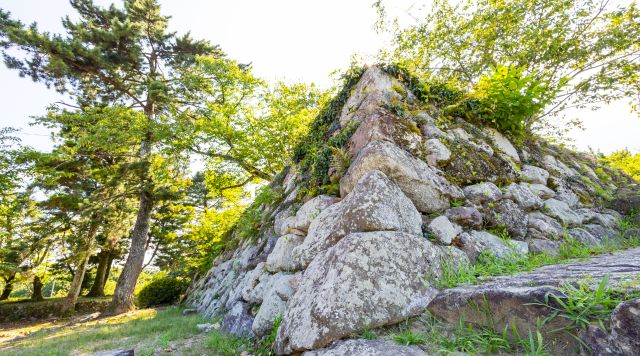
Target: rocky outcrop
(416, 190)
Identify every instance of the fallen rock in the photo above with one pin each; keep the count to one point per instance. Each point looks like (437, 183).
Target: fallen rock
(464, 216)
(205, 328)
(533, 174)
(366, 280)
(375, 204)
(424, 185)
(360, 347)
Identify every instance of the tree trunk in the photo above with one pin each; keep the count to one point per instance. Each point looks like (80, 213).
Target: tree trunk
(36, 295)
(8, 288)
(97, 289)
(123, 300)
(112, 256)
(69, 303)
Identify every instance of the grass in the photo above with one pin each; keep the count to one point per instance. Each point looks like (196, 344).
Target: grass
(145, 330)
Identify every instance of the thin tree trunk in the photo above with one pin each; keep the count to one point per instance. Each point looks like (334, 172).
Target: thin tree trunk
(69, 303)
(36, 295)
(8, 287)
(112, 256)
(97, 289)
(123, 300)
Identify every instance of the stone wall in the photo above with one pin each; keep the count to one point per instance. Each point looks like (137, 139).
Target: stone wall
(418, 191)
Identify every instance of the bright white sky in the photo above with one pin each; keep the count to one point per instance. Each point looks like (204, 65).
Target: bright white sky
(299, 40)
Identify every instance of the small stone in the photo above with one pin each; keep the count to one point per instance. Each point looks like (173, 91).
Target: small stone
(205, 328)
(507, 214)
(443, 229)
(189, 311)
(631, 233)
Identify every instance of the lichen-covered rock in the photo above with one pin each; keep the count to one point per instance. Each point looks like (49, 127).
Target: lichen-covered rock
(625, 327)
(365, 280)
(523, 196)
(373, 90)
(561, 211)
(482, 193)
(424, 185)
(541, 226)
(311, 209)
(443, 230)
(437, 152)
(533, 174)
(583, 236)
(375, 204)
(361, 347)
(273, 304)
(503, 144)
(548, 247)
(281, 258)
(464, 216)
(474, 141)
(382, 125)
(542, 191)
(238, 321)
(476, 242)
(507, 214)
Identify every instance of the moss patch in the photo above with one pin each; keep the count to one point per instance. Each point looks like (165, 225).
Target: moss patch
(469, 166)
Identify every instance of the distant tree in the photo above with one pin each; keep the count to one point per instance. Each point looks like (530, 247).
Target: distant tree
(582, 52)
(626, 161)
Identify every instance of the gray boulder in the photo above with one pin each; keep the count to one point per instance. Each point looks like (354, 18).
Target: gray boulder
(583, 236)
(281, 258)
(310, 210)
(502, 144)
(366, 280)
(361, 347)
(238, 321)
(424, 185)
(541, 226)
(482, 193)
(437, 152)
(544, 246)
(506, 213)
(273, 304)
(542, 191)
(533, 174)
(476, 242)
(443, 230)
(561, 211)
(523, 196)
(625, 327)
(464, 216)
(375, 204)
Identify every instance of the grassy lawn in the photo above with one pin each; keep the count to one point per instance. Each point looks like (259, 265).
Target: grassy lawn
(145, 330)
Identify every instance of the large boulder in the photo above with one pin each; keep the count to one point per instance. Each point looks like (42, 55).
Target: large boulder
(423, 184)
(480, 193)
(273, 304)
(281, 258)
(366, 280)
(561, 211)
(523, 196)
(464, 216)
(534, 175)
(359, 347)
(382, 125)
(474, 243)
(375, 204)
(541, 226)
(507, 214)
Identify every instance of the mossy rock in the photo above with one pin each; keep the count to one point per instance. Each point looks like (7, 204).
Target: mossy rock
(469, 166)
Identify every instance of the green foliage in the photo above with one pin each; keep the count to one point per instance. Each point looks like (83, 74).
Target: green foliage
(583, 53)
(224, 345)
(265, 346)
(407, 338)
(626, 161)
(160, 291)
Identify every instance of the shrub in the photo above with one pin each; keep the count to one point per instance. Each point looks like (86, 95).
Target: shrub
(164, 290)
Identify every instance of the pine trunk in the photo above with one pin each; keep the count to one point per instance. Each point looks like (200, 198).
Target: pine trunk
(123, 300)
(69, 303)
(97, 289)
(8, 288)
(112, 256)
(36, 295)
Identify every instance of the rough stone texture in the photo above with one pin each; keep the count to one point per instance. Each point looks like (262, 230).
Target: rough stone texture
(443, 230)
(464, 216)
(365, 280)
(533, 174)
(360, 347)
(541, 226)
(503, 144)
(382, 125)
(310, 210)
(583, 236)
(283, 221)
(476, 242)
(544, 246)
(470, 164)
(625, 327)
(509, 299)
(424, 185)
(238, 321)
(118, 352)
(626, 200)
(506, 213)
(281, 259)
(561, 211)
(523, 196)
(476, 142)
(542, 191)
(375, 204)
(374, 90)
(273, 304)
(437, 152)
(482, 193)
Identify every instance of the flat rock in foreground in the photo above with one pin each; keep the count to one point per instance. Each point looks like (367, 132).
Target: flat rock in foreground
(511, 300)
